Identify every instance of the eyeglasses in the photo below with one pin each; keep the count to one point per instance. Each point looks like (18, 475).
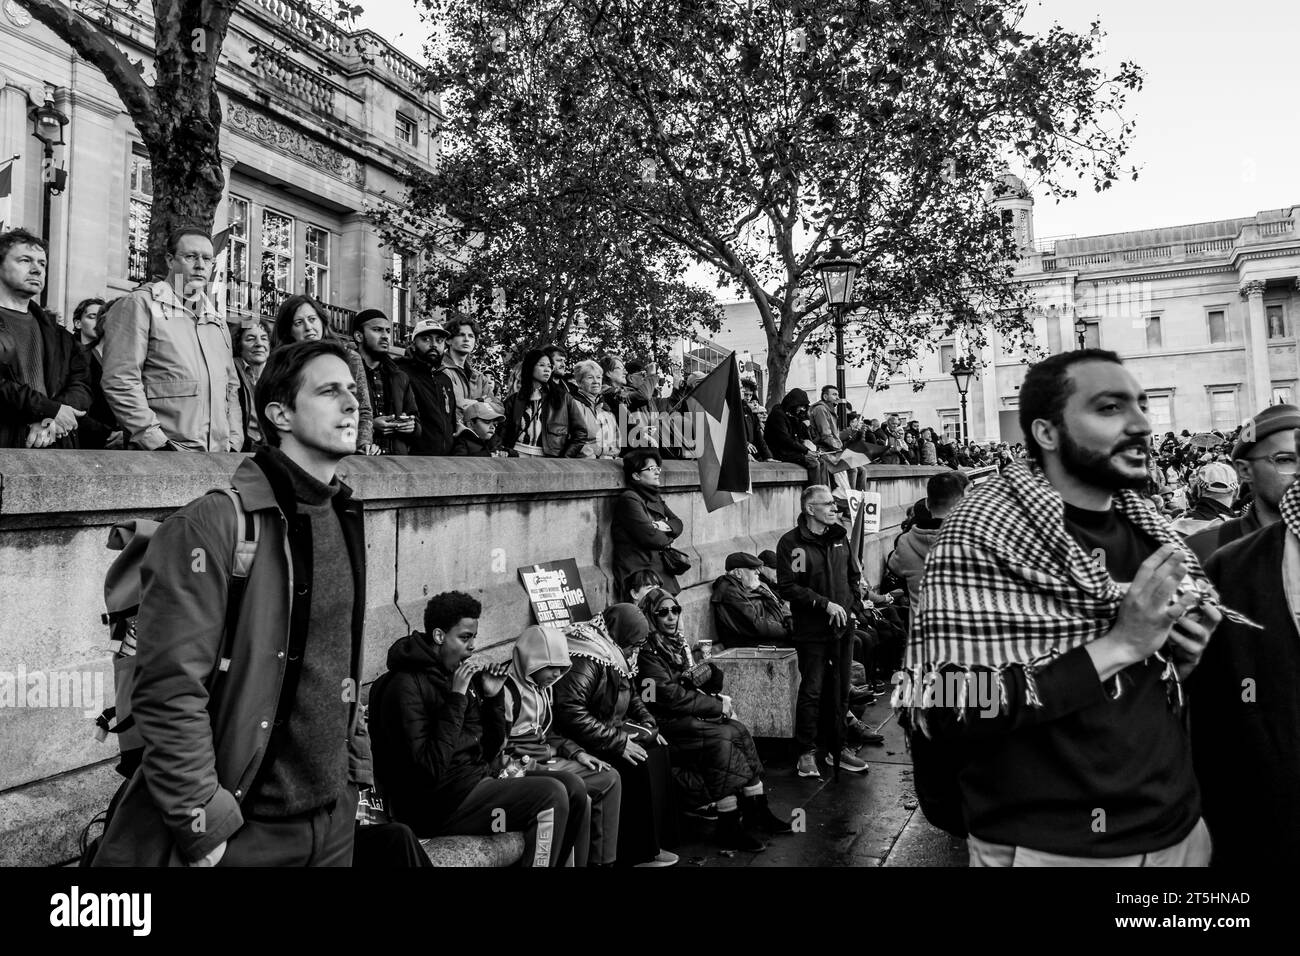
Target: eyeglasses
(668, 612)
(821, 504)
(654, 468)
(1284, 462)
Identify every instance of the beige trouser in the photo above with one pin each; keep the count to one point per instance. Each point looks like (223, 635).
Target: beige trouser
(1192, 850)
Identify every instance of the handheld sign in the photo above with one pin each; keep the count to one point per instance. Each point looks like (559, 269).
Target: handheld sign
(555, 592)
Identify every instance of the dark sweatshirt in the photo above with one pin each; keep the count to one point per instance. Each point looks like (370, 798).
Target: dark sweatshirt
(309, 765)
(431, 746)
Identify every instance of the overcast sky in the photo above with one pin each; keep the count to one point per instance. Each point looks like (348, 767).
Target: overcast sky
(1218, 132)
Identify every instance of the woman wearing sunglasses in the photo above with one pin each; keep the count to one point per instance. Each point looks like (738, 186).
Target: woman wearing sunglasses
(713, 755)
(598, 707)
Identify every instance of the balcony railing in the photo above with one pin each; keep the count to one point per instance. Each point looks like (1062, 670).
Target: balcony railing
(246, 299)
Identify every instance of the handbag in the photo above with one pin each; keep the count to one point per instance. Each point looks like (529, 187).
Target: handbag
(675, 562)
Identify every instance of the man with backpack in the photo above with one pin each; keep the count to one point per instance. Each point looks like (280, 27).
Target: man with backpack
(247, 703)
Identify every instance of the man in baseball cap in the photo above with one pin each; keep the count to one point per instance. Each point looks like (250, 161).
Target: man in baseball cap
(1216, 485)
(433, 391)
(1264, 458)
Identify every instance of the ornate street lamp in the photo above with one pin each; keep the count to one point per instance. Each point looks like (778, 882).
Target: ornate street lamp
(962, 370)
(838, 272)
(1081, 333)
(48, 124)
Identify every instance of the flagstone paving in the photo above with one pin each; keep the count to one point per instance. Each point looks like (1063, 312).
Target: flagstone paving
(859, 820)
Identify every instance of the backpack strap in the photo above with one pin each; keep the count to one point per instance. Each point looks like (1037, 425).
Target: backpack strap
(247, 535)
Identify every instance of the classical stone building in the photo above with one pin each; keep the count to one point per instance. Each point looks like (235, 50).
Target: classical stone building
(1203, 314)
(319, 125)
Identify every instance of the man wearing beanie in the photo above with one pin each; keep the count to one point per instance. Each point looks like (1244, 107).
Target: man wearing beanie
(1264, 458)
(396, 422)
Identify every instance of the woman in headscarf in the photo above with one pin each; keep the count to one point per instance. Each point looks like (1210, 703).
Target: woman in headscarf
(540, 658)
(598, 708)
(714, 757)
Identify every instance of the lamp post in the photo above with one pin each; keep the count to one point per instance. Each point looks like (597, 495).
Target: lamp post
(48, 124)
(962, 370)
(838, 273)
(1081, 333)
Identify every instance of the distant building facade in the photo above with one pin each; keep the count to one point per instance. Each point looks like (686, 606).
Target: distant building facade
(319, 125)
(1204, 315)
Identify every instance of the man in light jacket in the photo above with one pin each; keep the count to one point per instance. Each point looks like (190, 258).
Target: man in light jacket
(169, 371)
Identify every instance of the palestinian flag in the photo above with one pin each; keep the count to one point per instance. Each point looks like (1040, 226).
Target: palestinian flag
(723, 452)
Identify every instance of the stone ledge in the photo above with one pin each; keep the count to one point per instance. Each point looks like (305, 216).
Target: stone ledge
(31, 482)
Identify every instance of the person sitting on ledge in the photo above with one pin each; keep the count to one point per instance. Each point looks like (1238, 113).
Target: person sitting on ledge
(597, 707)
(438, 724)
(745, 610)
(713, 754)
(540, 658)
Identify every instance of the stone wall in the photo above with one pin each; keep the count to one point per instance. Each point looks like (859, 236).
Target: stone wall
(431, 525)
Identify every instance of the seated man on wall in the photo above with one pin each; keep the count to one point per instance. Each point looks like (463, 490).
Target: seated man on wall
(438, 725)
(746, 612)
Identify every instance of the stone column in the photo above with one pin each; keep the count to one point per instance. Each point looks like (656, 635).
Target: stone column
(1258, 381)
(1294, 318)
(14, 139)
(989, 398)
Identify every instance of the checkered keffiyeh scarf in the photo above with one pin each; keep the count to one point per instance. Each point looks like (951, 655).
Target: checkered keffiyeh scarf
(1290, 508)
(1007, 585)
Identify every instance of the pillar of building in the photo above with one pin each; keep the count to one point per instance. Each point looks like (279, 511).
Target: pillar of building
(15, 140)
(1258, 380)
(989, 385)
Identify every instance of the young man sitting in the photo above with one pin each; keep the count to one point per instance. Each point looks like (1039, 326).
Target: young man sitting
(438, 724)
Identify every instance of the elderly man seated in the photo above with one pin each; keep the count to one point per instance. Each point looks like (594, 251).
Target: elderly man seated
(746, 611)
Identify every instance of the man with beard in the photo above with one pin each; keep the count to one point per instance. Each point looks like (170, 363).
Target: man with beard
(391, 395)
(434, 395)
(1056, 627)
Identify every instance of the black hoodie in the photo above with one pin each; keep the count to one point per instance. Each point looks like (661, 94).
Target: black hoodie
(786, 428)
(431, 746)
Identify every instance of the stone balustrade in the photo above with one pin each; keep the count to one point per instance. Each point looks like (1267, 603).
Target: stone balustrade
(432, 524)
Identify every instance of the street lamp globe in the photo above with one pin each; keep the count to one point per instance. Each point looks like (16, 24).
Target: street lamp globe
(838, 272)
(962, 370)
(1081, 332)
(48, 124)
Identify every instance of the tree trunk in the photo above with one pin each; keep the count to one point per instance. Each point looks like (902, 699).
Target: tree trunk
(187, 174)
(778, 369)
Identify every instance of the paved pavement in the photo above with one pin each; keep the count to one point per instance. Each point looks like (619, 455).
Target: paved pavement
(860, 820)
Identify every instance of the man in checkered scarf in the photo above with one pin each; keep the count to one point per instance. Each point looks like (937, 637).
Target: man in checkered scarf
(1059, 614)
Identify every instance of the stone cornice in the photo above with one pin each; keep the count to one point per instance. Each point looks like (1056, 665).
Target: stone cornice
(258, 126)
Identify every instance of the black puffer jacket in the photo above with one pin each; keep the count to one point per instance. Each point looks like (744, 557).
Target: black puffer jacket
(747, 618)
(591, 703)
(713, 757)
(786, 430)
(431, 746)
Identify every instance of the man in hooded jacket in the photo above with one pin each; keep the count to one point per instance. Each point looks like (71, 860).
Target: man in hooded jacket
(438, 724)
(788, 437)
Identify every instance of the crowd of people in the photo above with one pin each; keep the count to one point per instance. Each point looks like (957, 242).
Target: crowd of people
(1048, 632)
